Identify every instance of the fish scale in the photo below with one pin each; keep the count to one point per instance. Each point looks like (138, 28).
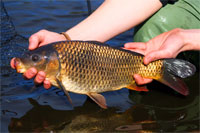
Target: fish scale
(101, 63)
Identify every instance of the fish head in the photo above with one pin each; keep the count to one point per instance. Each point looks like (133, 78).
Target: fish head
(43, 59)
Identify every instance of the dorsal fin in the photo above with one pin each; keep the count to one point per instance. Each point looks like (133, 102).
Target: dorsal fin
(98, 43)
(114, 47)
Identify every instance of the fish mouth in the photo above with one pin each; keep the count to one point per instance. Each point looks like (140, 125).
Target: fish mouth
(19, 65)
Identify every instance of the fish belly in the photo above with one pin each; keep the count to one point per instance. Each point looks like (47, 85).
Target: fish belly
(94, 84)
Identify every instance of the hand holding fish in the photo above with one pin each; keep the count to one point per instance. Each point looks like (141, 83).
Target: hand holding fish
(44, 37)
(166, 45)
(91, 27)
(36, 40)
(149, 49)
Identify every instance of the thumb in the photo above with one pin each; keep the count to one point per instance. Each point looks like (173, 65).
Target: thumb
(36, 39)
(33, 42)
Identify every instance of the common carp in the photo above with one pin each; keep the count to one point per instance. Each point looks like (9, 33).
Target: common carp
(89, 67)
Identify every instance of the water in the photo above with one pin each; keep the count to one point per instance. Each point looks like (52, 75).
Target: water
(24, 109)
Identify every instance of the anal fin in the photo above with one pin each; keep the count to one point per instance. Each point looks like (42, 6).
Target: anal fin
(99, 99)
(133, 86)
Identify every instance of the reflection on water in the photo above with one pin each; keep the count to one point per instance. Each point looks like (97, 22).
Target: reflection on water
(24, 109)
(146, 115)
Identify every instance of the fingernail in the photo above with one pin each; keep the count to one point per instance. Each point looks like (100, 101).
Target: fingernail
(46, 85)
(146, 60)
(40, 77)
(125, 45)
(30, 47)
(32, 73)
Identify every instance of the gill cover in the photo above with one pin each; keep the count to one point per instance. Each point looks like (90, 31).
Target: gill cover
(43, 59)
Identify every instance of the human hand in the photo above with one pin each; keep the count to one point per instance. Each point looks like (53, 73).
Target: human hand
(36, 40)
(165, 45)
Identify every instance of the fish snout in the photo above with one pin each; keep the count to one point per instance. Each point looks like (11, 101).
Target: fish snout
(18, 65)
(16, 62)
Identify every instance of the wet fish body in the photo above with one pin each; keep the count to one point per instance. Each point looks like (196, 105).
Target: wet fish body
(88, 67)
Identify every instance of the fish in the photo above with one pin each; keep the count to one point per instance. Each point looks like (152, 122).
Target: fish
(91, 67)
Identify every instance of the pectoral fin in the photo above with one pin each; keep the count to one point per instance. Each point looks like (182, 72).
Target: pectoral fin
(99, 99)
(133, 86)
(66, 92)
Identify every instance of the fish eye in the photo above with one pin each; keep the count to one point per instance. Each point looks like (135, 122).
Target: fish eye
(35, 58)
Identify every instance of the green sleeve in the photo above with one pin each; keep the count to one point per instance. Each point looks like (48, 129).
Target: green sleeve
(183, 14)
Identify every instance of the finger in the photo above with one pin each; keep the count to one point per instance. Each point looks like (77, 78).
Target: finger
(30, 73)
(33, 42)
(155, 55)
(47, 84)
(140, 80)
(12, 64)
(135, 45)
(136, 50)
(35, 39)
(40, 77)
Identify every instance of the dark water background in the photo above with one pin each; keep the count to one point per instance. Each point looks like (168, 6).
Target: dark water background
(24, 109)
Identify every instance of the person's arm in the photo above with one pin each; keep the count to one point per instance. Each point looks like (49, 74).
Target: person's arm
(191, 39)
(112, 18)
(165, 45)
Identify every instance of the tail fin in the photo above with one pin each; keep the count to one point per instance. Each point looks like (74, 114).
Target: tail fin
(180, 68)
(174, 70)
